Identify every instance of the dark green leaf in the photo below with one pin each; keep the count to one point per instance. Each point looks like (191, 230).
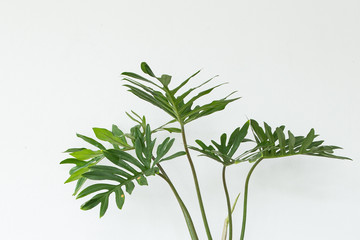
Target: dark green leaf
(136, 76)
(94, 188)
(175, 155)
(91, 141)
(93, 202)
(75, 161)
(112, 170)
(101, 175)
(104, 205)
(129, 186)
(173, 130)
(291, 142)
(146, 69)
(119, 197)
(238, 138)
(165, 79)
(141, 180)
(183, 83)
(281, 137)
(259, 132)
(307, 141)
(118, 160)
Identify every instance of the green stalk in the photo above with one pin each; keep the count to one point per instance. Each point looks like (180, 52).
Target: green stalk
(186, 213)
(246, 197)
(196, 182)
(227, 202)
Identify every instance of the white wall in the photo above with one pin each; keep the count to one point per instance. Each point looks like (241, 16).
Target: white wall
(293, 62)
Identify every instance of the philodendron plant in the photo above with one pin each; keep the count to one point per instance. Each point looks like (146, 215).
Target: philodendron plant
(135, 155)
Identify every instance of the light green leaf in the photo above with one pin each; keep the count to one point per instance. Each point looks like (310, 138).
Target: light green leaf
(106, 135)
(70, 150)
(86, 154)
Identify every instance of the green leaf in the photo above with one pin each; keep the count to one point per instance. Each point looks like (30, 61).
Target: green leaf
(165, 79)
(199, 95)
(91, 141)
(118, 158)
(93, 202)
(76, 175)
(291, 142)
(112, 170)
(79, 184)
(101, 175)
(141, 180)
(136, 76)
(120, 155)
(255, 157)
(183, 83)
(147, 70)
(281, 137)
(86, 154)
(129, 187)
(175, 155)
(119, 197)
(106, 135)
(172, 130)
(155, 101)
(207, 109)
(238, 138)
(75, 161)
(307, 141)
(74, 150)
(94, 188)
(104, 205)
(118, 133)
(259, 132)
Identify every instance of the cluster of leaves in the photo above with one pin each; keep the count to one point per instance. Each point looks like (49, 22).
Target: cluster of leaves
(269, 144)
(126, 168)
(224, 151)
(168, 100)
(274, 144)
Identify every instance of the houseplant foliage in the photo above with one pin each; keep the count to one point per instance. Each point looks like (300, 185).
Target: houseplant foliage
(120, 159)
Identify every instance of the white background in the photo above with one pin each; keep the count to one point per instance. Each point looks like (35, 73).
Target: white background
(292, 62)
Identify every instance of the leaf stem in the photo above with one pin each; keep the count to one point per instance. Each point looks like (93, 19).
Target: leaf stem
(196, 182)
(246, 197)
(227, 202)
(186, 213)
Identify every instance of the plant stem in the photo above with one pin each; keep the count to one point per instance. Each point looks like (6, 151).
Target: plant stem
(245, 198)
(196, 182)
(186, 213)
(227, 202)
